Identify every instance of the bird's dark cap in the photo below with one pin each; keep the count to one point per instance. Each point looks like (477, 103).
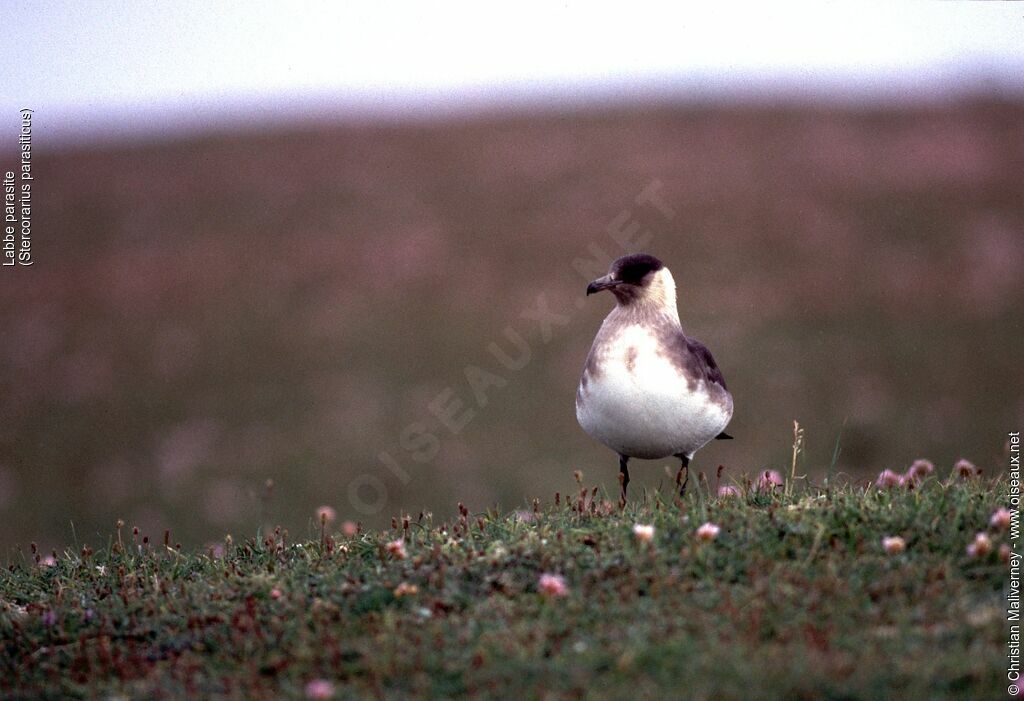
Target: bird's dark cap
(632, 268)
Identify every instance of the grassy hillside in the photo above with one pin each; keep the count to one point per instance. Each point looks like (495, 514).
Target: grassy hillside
(211, 313)
(795, 597)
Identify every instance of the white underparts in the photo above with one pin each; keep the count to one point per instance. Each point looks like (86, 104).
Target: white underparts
(637, 400)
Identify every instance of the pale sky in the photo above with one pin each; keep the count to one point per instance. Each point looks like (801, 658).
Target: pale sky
(108, 67)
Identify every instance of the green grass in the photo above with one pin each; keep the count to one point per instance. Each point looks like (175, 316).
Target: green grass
(795, 599)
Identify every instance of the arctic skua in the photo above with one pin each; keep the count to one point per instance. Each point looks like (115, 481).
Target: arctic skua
(648, 390)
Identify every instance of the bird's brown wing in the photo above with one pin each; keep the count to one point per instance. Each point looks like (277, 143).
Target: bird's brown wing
(701, 364)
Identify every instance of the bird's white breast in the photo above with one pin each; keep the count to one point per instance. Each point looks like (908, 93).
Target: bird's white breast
(635, 400)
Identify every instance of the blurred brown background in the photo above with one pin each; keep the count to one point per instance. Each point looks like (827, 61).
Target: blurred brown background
(213, 312)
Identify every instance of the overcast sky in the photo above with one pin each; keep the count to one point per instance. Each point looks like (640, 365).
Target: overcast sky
(105, 67)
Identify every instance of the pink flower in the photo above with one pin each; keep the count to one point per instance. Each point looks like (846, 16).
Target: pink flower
(1004, 553)
(405, 589)
(966, 469)
(552, 585)
(919, 469)
(917, 472)
(728, 491)
(888, 479)
(48, 561)
(1001, 519)
(397, 549)
(326, 514)
(645, 534)
(893, 545)
(350, 528)
(708, 532)
(768, 480)
(981, 546)
(319, 689)
(275, 593)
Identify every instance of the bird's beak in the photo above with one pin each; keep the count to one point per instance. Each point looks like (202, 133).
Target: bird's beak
(601, 283)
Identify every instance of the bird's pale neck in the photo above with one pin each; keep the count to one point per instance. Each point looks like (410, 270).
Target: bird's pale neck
(657, 298)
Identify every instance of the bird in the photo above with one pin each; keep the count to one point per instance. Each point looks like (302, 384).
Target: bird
(648, 390)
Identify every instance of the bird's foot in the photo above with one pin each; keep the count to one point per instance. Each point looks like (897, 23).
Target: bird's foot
(681, 481)
(623, 478)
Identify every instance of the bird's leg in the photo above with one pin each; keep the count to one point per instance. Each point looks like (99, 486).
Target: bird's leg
(680, 482)
(623, 476)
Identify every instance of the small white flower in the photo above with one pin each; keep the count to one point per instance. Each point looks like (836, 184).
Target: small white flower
(643, 533)
(405, 589)
(1001, 519)
(893, 545)
(708, 532)
(397, 549)
(981, 546)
